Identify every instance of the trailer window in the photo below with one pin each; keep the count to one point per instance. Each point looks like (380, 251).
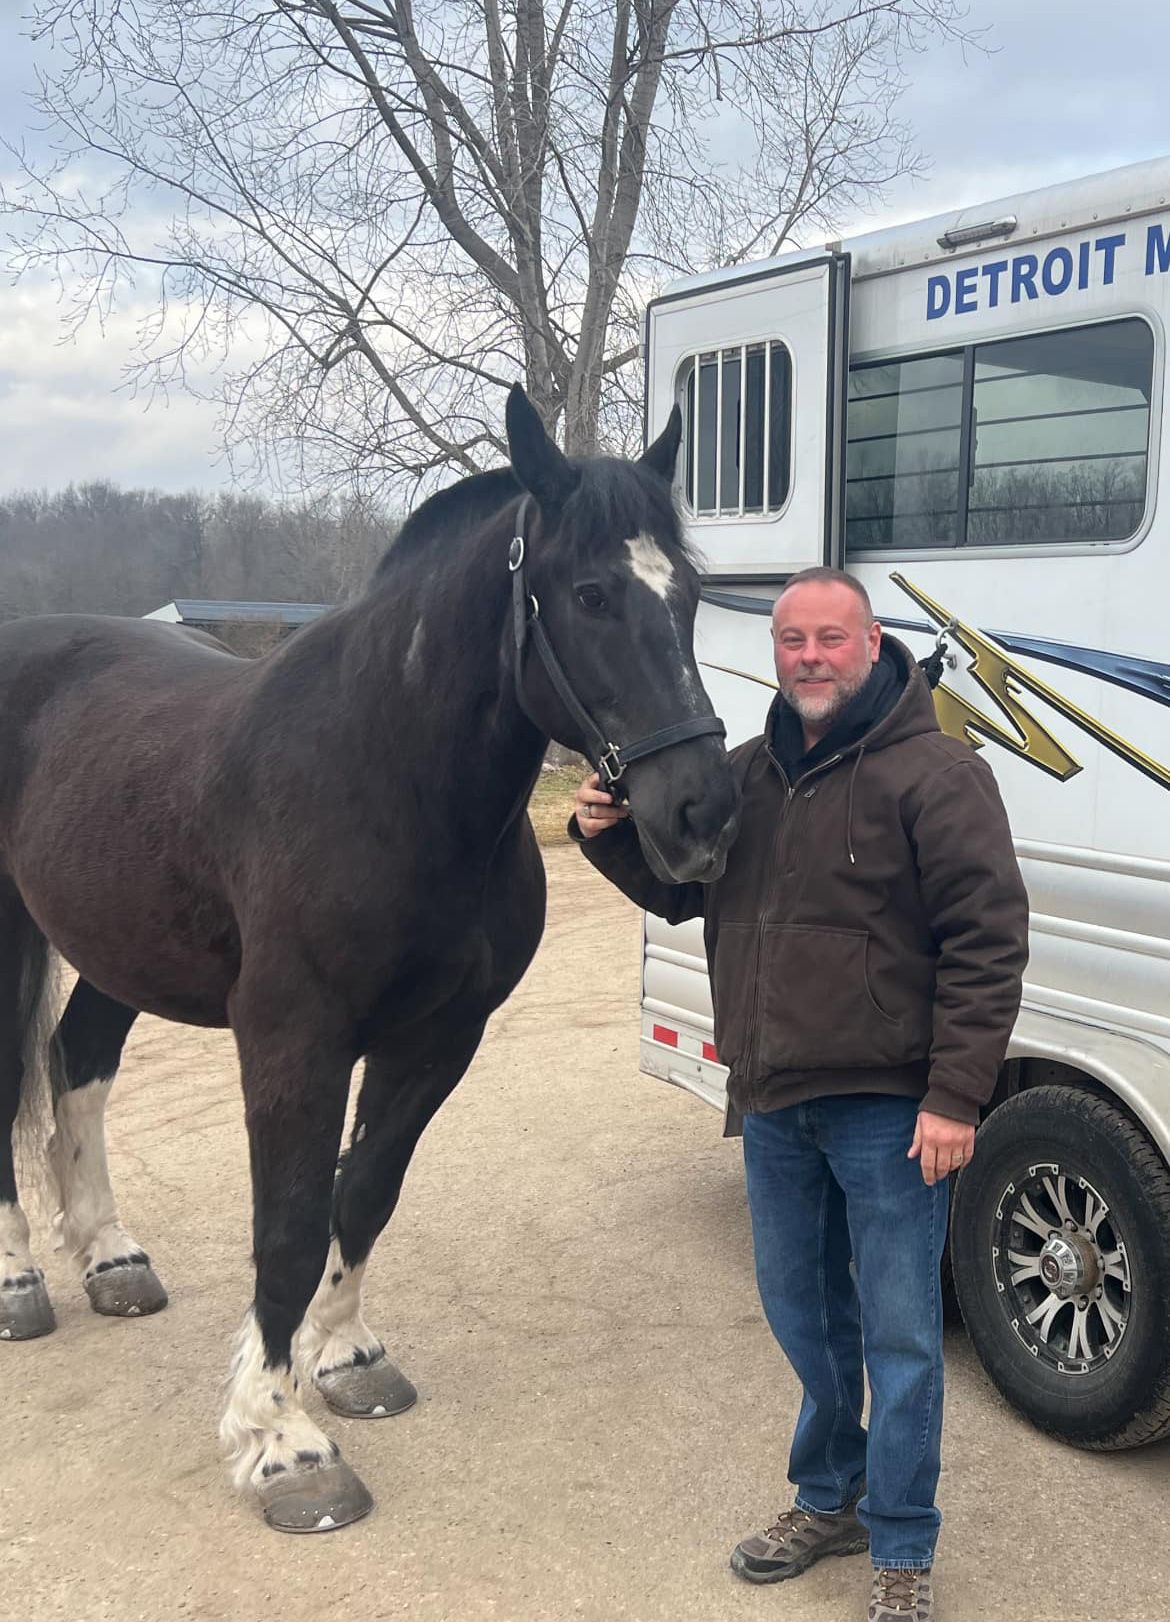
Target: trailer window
(737, 409)
(902, 456)
(1060, 424)
(1041, 439)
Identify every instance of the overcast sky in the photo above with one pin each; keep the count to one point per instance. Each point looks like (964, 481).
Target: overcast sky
(1070, 87)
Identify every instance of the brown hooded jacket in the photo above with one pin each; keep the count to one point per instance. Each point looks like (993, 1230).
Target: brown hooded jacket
(870, 931)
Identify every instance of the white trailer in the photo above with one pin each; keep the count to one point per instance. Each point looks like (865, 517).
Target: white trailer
(967, 414)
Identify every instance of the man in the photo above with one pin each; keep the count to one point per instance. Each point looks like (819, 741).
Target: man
(866, 946)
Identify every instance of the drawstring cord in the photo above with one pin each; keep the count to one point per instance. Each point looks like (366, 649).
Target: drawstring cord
(849, 807)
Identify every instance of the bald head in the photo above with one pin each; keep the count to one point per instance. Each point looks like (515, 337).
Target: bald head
(830, 577)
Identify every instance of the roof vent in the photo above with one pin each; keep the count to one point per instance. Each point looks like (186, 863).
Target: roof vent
(963, 235)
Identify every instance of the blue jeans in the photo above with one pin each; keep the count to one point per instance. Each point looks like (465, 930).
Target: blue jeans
(826, 1181)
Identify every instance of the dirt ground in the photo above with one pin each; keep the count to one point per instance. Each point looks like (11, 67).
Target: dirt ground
(602, 1410)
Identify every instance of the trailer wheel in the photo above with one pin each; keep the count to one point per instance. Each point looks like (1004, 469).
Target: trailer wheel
(1061, 1249)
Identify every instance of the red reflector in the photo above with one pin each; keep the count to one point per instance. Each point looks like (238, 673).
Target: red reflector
(660, 1033)
(710, 1053)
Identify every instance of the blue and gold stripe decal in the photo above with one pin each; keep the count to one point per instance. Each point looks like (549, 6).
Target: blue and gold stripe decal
(1014, 727)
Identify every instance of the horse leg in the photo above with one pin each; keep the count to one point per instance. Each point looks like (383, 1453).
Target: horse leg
(25, 1308)
(295, 1081)
(87, 1049)
(401, 1090)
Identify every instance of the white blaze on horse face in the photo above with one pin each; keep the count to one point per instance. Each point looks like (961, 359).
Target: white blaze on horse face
(333, 1332)
(651, 565)
(89, 1223)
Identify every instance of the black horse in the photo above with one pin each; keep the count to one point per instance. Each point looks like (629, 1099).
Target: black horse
(328, 849)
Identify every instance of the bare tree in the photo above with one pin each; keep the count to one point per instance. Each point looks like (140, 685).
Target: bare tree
(376, 216)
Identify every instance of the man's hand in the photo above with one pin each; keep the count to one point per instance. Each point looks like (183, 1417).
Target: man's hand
(941, 1145)
(595, 808)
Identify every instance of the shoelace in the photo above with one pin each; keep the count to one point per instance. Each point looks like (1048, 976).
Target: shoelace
(789, 1520)
(898, 1590)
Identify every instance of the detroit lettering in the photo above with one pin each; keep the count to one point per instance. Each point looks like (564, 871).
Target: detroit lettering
(1027, 276)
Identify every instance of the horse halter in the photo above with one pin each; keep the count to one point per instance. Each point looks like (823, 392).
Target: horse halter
(611, 759)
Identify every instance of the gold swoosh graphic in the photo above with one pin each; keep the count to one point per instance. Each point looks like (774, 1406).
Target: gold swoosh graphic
(762, 681)
(1002, 680)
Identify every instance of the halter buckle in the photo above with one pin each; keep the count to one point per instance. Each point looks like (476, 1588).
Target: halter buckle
(516, 554)
(610, 766)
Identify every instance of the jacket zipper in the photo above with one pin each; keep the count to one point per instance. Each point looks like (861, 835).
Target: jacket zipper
(789, 796)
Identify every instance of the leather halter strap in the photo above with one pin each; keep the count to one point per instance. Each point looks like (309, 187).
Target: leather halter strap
(611, 759)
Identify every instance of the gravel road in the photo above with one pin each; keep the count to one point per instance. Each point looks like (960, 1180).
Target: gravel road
(602, 1409)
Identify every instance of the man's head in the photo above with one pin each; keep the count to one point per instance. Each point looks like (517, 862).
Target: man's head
(826, 642)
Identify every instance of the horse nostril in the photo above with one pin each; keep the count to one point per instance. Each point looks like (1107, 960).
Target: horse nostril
(702, 819)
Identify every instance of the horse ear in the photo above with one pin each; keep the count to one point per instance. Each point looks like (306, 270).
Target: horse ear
(536, 461)
(661, 456)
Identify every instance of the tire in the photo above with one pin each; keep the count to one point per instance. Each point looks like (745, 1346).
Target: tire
(1061, 1246)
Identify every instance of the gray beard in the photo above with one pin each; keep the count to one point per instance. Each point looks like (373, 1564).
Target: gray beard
(823, 716)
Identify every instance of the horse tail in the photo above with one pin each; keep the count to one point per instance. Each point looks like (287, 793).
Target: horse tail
(40, 1077)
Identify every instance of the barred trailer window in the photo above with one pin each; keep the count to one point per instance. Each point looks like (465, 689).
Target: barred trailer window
(1040, 439)
(737, 411)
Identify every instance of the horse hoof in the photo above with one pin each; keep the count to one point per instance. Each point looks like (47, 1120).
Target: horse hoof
(25, 1310)
(315, 1500)
(131, 1290)
(367, 1390)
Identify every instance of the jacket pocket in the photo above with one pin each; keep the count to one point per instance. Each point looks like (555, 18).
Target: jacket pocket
(816, 1008)
(734, 978)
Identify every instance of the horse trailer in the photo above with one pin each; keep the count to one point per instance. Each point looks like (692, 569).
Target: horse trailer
(966, 413)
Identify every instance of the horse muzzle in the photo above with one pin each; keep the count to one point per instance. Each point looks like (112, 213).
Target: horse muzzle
(686, 822)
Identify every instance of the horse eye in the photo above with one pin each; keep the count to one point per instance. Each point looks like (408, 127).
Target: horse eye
(592, 598)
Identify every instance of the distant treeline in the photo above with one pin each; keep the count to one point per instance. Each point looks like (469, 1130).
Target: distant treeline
(93, 548)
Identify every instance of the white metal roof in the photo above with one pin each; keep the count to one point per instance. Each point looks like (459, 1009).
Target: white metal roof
(1071, 205)
(191, 611)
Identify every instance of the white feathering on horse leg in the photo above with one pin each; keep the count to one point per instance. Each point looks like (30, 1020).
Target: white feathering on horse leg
(16, 1259)
(334, 1334)
(25, 1309)
(265, 1428)
(89, 1225)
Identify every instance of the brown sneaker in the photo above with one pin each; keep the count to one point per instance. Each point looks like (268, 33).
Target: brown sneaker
(797, 1539)
(901, 1596)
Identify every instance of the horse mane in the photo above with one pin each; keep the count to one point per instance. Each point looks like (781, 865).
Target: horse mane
(612, 495)
(464, 505)
(622, 499)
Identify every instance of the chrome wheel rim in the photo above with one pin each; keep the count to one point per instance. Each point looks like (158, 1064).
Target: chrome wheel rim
(1062, 1270)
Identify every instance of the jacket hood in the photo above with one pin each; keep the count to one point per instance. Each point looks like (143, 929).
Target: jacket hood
(895, 704)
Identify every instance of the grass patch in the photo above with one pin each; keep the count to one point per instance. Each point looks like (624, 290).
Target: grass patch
(551, 804)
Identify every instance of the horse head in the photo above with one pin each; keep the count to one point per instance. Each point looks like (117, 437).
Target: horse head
(607, 587)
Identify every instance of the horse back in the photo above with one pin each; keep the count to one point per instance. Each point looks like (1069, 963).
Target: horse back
(58, 671)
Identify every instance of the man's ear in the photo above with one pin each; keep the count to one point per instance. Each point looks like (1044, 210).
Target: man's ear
(662, 455)
(536, 461)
